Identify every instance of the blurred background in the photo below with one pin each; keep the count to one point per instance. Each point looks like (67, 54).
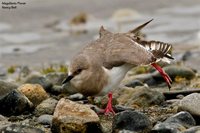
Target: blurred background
(52, 31)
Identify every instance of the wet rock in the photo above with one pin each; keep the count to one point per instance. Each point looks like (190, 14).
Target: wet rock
(14, 103)
(134, 83)
(176, 123)
(191, 103)
(6, 87)
(46, 107)
(55, 78)
(36, 79)
(45, 119)
(175, 71)
(14, 128)
(139, 97)
(132, 121)
(70, 116)
(34, 92)
(195, 129)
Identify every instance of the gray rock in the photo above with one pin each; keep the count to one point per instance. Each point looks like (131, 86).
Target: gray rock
(6, 87)
(174, 71)
(168, 128)
(70, 116)
(195, 129)
(175, 124)
(56, 78)
(132, 121)
(183, 118)
(45, 119)
(46, 107)
(14, 103)
(139, 96)
(35, 79)
(190, 103)
(14, 128)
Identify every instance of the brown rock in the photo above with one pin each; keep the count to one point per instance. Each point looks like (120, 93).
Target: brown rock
(70, 117)
(34, 92)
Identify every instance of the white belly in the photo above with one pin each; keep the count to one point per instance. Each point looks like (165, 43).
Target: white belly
(116, 74)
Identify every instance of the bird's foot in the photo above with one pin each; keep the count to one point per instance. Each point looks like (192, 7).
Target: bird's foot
(164, 75)
(109, 109)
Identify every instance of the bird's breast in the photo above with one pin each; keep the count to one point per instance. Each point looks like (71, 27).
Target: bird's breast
(115, 76)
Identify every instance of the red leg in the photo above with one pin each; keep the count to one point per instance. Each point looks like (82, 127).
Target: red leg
(109, 108)
(164, 75)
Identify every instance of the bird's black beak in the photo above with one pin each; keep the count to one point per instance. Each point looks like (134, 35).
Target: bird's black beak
(69, 77)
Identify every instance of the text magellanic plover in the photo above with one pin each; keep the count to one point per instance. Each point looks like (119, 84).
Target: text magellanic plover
(103, 63)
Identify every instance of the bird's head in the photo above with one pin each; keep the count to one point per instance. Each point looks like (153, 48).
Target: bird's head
(78, 71)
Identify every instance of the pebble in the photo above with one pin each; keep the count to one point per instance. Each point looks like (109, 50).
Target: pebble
(140, 96)
(46, 107)
(191, 103)
(176, 123)
(132, 121)
(34, 92)
(45, 119)
(17, 128)
(75, 97)
(14, 103)
(37, 79)
(70, 116)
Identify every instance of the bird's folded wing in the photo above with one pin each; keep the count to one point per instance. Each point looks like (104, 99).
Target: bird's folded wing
(122, 49)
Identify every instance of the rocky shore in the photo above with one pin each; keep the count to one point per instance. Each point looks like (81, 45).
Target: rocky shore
(35, 101)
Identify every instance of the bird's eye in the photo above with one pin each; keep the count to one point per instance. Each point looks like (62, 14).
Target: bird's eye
(78, 71)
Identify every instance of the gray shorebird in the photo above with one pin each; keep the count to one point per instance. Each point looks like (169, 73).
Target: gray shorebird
(103, 63)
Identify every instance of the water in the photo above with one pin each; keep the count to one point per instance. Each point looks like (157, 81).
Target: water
(23, 31)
